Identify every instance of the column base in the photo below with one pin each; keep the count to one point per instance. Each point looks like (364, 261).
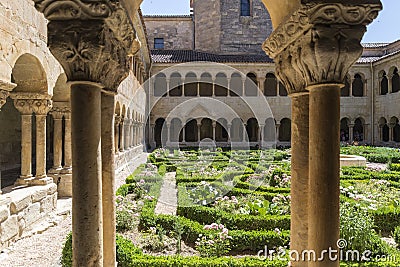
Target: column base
(23, 180)
(66, 170)
(40, 181)
(55, 170)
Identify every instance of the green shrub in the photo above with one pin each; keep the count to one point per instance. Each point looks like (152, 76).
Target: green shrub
(386, 219)
(206, 215)
(66, 258)
(394, 167)
(126, 252)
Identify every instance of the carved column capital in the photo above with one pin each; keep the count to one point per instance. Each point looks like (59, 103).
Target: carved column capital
(91, 39)
(37, 106)
(319, 42)
(58, 112)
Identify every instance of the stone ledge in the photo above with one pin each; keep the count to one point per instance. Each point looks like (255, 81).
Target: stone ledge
(23, 207)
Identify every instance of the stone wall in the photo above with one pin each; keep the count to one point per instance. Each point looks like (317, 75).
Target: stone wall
(207, 17)
(22, 208)
(240, 33)
(176, 31)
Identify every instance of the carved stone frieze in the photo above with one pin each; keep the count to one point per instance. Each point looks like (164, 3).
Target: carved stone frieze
(319, 43)
(37, 106)
(91, 39)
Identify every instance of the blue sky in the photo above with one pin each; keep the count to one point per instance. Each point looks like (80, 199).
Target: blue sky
(386, 28)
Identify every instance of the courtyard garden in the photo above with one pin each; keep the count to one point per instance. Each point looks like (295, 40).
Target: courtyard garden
(233, 209)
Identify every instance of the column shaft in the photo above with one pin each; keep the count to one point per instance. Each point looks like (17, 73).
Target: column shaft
(68, 145)
(57, 144)
(300, 181)
(87, 213)
(324, 167)
(26, 146)
(108, 178)
(40, 146)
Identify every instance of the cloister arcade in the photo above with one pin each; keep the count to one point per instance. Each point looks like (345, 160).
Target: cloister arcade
(106, 107)
(223, 133)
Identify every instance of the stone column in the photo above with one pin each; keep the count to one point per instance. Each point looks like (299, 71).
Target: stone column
(198, 131)
(127, 132)
(168, 132)
(122, 135)
(87, 175)
(391, 132)
(93, 44)
(183, 134)
(229, 126)
(116, 134)
(57, 141)
(244, 133)
(67, 144)
(214, 125)
(261, 134)
(25, 108)
(316, 56)
(278, 125)
(108, 178)
(351, 133)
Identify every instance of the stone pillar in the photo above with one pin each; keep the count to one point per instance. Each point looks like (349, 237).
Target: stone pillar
(107, 35)
(108, 178)
(183, 134)
(316, 56)
(26, 111)
(198, 131)
(127, 133)
(67, 144)
(168, 133)
(214, 125)
(391, 132)
(25, 103)
(351, 133)
(87, 225)
(277, 132)
(229, 126)
(244, 133)
(57, 142)
(122, 135)
(116, 134)
(261, 134)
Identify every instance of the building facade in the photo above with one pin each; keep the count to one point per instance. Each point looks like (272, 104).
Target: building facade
(226, 32)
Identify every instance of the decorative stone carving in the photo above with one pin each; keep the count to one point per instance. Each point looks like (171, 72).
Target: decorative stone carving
(29, 106)
(319, 43)
(91, 39)
(58, 112)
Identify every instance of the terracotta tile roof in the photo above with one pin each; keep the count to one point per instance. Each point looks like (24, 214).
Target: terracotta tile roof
(374, 45)
(181, 56)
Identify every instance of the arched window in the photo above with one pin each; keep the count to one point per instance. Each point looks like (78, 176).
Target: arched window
(191, 84)
(206, 129)
(245, 8)
(160, 134)
(270, 85)
(206, 86)
(221, 85)
(384, 83)
(285, 130)
(191, 131)
(252, 130)
(344, 130)
(175, 83)
(358, 86)
(282, 90)
(236, 86)
(358, 130)
(221, 134)
(251, 85)
(346, 89)
(395, 81)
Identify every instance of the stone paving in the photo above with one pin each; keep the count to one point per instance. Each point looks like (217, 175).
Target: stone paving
(168, 200)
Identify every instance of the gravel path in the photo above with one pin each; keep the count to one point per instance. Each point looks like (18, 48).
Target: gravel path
(45, 249)
(168, 200)
(41, 250)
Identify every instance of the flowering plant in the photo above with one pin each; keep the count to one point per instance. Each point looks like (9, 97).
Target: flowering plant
(215, 243)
